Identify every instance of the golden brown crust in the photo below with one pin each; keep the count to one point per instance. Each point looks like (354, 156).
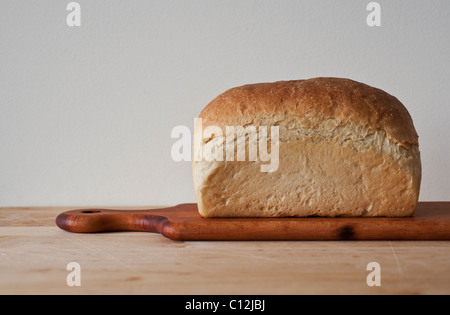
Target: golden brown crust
(345, 100)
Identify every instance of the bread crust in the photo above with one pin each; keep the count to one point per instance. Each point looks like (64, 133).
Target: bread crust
(345, 100)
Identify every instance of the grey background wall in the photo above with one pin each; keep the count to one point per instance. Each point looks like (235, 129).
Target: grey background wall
(86, 112)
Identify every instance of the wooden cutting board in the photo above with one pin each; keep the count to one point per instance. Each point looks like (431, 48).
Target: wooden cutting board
(182, 222)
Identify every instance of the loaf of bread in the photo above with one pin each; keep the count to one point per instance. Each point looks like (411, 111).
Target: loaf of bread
(344, 149)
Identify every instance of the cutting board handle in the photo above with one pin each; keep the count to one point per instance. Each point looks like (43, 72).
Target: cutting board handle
(104, 220)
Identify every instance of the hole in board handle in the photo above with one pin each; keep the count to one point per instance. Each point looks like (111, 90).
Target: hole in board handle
(91, 211)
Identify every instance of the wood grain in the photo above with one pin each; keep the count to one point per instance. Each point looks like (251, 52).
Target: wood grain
(34, 254)
(182, 222)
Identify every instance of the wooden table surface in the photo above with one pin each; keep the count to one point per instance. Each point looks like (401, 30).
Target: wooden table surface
(34, 254)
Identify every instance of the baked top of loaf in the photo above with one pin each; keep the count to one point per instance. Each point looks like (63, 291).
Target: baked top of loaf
(344, 100)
